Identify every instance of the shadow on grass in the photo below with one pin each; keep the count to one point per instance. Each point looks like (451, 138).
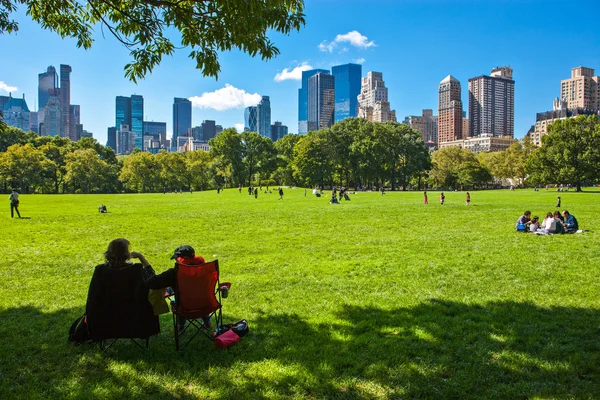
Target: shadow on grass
(437, 349)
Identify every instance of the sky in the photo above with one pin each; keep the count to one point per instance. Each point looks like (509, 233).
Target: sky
(415, 44)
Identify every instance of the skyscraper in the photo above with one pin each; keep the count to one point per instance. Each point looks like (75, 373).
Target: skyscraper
(137, 120)
(130, 111)
(492, 104)
(112, 138)
(278, 130)
(182, 118)
(347, 88)
(122, 111)
(263, 117)
(75, 119)
(449, 110)
(321, 101)
(582, 90)
(250, 124)
(303, 99)
(47, 81)
(373, 104)
(209, 130)
(52, 112)
(65, 102)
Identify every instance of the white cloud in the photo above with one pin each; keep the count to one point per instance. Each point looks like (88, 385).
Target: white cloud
(354, 38)
(324, 46)
(294, 74)
(226, 98)
(359, 60)
(4, 87)
(239, 127)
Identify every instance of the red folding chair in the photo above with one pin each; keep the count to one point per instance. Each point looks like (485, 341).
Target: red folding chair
(198, 295)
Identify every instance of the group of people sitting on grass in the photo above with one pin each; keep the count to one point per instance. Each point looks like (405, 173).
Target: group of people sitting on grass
(553, 223)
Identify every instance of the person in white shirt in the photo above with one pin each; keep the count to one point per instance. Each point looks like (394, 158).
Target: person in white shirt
(549, 224)
(14, 204)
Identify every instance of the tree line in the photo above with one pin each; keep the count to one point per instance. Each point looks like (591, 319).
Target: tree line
(352, 153)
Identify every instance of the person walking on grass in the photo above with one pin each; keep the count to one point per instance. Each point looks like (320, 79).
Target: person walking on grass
(14, 203)
(442, 198)
(425, 197)
(280, 194)
(255, 193)
(468, 199)
(558, 202)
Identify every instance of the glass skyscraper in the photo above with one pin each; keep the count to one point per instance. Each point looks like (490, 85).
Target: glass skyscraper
(347, 88)
(303, 99)
(48, 81)
(250, 119)
(182, 118)
(263, 117)
(130, 112)
(137, 120)
(321, 101)
(65, 102)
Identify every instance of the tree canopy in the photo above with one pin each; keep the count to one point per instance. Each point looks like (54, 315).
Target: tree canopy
(151, 29)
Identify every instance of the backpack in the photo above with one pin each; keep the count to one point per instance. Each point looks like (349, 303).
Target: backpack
(78, 332)
(521, 227)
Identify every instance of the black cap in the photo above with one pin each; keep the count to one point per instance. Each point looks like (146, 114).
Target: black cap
(184, 251)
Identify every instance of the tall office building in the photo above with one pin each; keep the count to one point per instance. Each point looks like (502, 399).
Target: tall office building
(250, 124)
(582, 90)
(209, 130)
(47, 82)
(197, 133)
(65, 102)
(155, 135)
(182, 118)
(51, 120)
(278, 130)
(263, 117)
(373, 104)
(426, 125)
(492, 104)
(137, 120)
(321, 101)
(129, 111)
(450, 112)
(347, 88)
(112, 138)
(303, 100)
(75, 120)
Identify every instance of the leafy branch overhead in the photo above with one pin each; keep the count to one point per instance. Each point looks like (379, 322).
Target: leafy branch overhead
(148, 28)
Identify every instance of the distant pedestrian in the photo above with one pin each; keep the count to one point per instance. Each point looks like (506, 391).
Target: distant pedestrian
(240, 188)
(558, 202)
(468, 199)
(191, 191)
(280, 194)
(250, 191)
(425, 198)
(442, 198)
(255, 193)
(14, 203)
(218, 189)
(304, 192)
(382, 189)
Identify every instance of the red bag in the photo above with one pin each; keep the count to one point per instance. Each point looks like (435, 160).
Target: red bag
(226, 339)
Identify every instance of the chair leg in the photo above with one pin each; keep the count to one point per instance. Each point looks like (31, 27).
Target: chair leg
(176, 332)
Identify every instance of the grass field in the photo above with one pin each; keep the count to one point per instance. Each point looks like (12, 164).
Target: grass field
(381, 297)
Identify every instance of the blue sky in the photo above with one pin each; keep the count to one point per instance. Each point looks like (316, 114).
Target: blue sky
(415, 44)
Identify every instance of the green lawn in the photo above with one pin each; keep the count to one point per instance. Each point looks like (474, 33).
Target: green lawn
(380, 297)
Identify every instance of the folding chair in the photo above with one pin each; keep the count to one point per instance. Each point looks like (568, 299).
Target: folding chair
(198, 296)
(118, 307)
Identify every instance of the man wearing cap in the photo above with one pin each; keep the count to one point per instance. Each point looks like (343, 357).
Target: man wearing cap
(169, 277)
(14, 203)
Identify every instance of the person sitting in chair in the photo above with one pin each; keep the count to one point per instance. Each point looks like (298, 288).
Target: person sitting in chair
(117, 304)
(169, 277)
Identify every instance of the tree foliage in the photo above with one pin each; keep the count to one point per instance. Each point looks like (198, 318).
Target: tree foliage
(151, 29)
(570, 153)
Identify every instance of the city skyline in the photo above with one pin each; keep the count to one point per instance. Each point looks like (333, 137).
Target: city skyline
(412, 71)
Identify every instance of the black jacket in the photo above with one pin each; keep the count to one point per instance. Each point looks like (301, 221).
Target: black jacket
(117, 304)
